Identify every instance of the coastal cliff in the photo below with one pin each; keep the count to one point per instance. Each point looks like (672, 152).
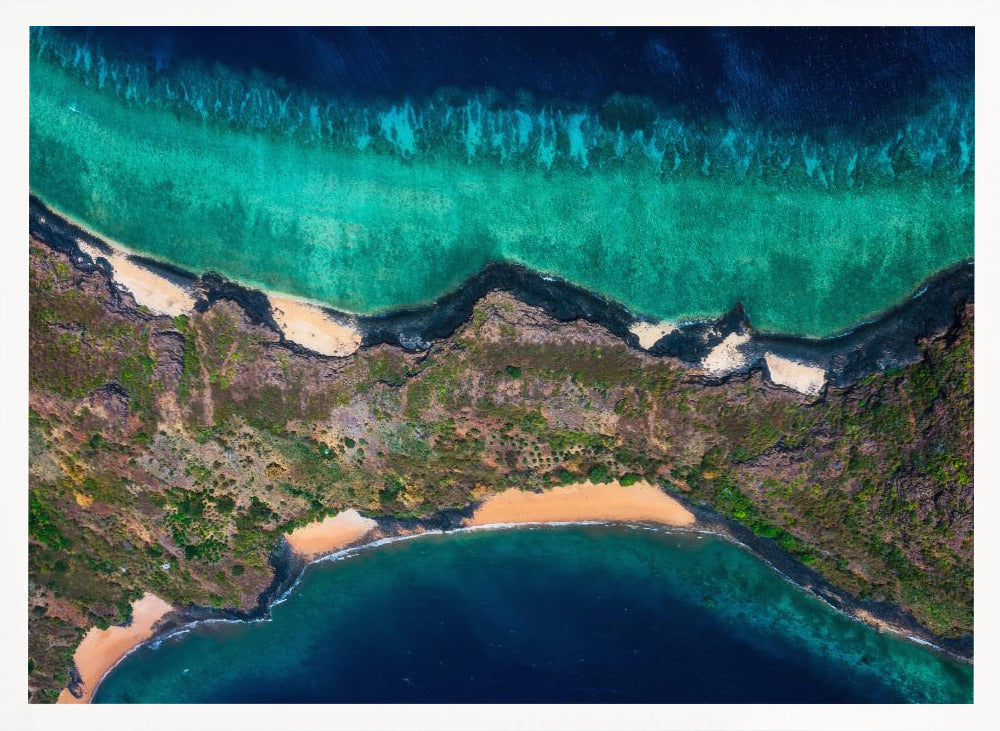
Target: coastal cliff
(170, 454)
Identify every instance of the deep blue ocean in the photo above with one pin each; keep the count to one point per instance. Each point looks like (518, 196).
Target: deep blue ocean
(560, 614)
(796, 78)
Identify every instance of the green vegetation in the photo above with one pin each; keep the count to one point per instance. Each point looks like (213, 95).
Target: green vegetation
(42, 526)
(190, 365)
(212, 442)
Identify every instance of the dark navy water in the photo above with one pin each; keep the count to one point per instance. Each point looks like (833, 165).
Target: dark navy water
(794, 77)
(569, 614)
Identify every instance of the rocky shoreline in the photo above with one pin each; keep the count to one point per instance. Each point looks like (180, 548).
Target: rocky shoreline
(881, 615)
(889, 341)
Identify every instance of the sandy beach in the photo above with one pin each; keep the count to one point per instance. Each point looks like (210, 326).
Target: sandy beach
(301, 322)
(650, 332)
(727, 356)
(312, 328)
(584, 501)
(148, 288)
(797, 376)
(330, 534)
(101, 649)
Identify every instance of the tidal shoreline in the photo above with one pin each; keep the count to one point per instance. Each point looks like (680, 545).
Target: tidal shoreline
(349, 531)
(697, 345)
(881, 615)
(100, 650)
(641, 505)
(891, 340)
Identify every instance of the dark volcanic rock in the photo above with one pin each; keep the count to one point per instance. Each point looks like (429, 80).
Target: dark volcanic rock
(169, 347)
(111, 401)
(890, 341)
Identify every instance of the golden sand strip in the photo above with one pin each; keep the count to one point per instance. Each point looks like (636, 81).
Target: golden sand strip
(101, 649)
(312, 328)
(148, 288)
(330, 534)
(640, 502)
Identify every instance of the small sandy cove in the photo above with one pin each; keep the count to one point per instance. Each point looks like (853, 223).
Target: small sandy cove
(584, 501)
(148, 288)
(727, 356)
(101, 649)
(330, 534)
(312, 328)
(649, 333)
(796, 376)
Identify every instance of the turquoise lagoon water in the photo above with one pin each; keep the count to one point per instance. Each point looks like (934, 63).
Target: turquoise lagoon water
(377, 205)
(559, 614)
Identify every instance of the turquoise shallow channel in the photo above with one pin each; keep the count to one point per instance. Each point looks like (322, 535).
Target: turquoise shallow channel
(557, 614)
(374, 206)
